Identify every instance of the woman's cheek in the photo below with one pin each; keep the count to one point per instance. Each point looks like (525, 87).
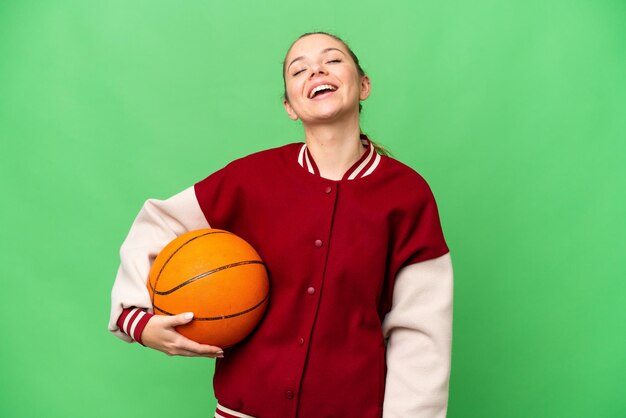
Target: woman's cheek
(295, 90)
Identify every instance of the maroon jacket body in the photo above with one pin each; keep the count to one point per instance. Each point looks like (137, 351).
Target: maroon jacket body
(332, 249)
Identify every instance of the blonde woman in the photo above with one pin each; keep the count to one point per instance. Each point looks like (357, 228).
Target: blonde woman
(359, 319)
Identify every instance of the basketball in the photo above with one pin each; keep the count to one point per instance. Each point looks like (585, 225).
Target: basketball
(217, 276)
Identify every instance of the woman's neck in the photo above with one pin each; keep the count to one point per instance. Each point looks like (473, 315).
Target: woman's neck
(335, 148)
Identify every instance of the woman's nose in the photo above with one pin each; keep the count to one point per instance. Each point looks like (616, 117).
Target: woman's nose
(317, 69)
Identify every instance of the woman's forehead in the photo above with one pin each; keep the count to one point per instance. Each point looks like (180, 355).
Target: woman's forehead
(313, 44)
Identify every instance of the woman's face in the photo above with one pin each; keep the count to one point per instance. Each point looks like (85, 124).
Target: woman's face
(321, 81)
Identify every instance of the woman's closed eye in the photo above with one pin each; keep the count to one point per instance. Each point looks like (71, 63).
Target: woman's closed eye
(331, 61)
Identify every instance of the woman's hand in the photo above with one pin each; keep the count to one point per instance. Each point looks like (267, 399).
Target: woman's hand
(160, 334)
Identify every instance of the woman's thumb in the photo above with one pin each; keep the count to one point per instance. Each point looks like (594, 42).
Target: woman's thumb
(181, 319)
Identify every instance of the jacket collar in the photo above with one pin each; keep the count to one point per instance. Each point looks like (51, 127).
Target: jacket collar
(362, 168)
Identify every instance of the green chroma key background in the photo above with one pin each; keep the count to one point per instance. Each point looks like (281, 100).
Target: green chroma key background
(515, 113)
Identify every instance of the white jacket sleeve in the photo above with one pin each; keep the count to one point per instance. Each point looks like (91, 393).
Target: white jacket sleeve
(419, 332)
(158, 222)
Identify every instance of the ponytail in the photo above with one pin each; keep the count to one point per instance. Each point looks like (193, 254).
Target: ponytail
(380, 149)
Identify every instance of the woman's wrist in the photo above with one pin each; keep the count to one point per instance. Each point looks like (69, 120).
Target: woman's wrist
(132, 322)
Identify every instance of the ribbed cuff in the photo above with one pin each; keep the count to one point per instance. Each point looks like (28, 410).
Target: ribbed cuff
(132, 321)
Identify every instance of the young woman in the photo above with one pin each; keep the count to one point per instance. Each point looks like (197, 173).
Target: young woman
(359, 320)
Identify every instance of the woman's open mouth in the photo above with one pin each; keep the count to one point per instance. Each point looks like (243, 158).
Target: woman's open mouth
(322, 90)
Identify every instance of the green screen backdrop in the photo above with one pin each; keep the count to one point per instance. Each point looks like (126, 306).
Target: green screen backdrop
(513, 111)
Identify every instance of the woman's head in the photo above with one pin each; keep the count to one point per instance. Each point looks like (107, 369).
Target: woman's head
(322, 78)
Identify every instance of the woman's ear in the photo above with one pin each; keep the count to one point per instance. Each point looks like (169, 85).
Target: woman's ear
(289, 110)
(365, 87)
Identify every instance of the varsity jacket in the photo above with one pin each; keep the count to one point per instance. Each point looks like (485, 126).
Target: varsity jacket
(359, 317)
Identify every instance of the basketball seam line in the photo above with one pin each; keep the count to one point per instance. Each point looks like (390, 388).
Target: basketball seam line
(207, 273)
(217, 318)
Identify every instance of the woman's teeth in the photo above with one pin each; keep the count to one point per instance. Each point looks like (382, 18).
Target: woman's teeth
(320, 88)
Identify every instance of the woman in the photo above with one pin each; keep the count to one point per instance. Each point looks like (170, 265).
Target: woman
(359, 321)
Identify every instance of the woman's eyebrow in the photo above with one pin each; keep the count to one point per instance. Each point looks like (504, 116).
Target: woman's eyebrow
(294, 60)
(323, 51)
(331, 49)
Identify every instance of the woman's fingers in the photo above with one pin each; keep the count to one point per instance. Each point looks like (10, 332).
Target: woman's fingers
(160, 334)
(189, 346)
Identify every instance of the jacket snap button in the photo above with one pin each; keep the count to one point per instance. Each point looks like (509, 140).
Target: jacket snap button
(311, 290)
(300, 341)
(328, 189)
(289, 394)
(318, 243)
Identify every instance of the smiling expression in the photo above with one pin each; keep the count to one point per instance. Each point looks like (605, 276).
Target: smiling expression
(322, 82)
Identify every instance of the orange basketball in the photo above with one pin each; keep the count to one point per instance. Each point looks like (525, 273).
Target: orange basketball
(217, 276)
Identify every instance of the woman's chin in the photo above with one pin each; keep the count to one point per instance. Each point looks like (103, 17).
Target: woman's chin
(327, 114)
